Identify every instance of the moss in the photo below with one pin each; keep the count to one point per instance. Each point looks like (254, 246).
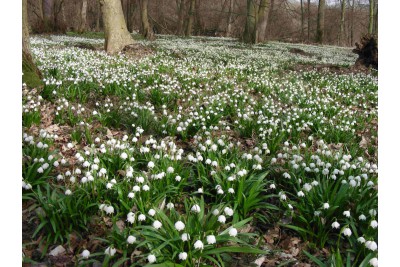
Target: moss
(32, 76)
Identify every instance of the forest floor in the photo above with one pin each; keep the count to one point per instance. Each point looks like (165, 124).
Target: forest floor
(267, 154)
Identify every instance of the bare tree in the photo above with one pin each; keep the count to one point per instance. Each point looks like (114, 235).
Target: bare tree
(308, 19)
(320, 22)
(262, 20)
(342, 17)
(82, 27)
(249, 30)
(147, 30)
(371, 17)
(229, 22)
(31, 74)
(181, 16)
(189, 25)
(116, 33)
(302, 19)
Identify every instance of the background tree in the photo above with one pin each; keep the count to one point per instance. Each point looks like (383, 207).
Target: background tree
(249, 30)
(189, 25)
(342, 17)
(262, 20)
(32, 77)
(115, 31)
(320, 22)
(147, 30)
(82, 27)
(371, 17)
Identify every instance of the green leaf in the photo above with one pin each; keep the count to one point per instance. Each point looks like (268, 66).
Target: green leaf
(120, 262)
(235, 250)
(314, 259)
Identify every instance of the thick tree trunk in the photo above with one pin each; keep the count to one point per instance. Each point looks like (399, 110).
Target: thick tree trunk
(320, 22)
(181, 17)
(262, 20)
(130, 20)
(229, 27)
(189, 26)
(48, 15)
(375, 31)
(308, 19)
(116, 33)
(82, 27)
(371, 17)
(249, 35)
(341, 34)
(198, 19)
(31, 74)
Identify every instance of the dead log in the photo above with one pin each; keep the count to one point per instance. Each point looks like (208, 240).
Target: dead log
(367, 51)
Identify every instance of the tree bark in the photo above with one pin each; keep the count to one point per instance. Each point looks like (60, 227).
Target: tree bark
(375, 31)
(31, 74)
(189, 26)
(229, 27)
(82, 27)
(116, 33)
(262, 19)
(308, 19)
(341, 34)
(320, 22)
(147, 30)
(181, 17)
(249, 35)
(302, 19)
(352, 25)
(371, 17)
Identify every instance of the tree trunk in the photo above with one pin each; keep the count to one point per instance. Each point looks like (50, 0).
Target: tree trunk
(147, 30)
(181, 17)
(130, 20)
(189, 25)
(320, 22)
(262, 19)
(352, 25)
(82, 27)
(48, 15)
(116, 33)
(308, 19)
(249, 35)
(31, 74)
(198, 20)
(229, 28)
(371, 17)
(341, 34)
(302, 19)
(375, 31)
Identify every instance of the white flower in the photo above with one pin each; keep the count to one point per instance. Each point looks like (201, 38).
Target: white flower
(374, 262)
(110, 251)
(151, 258)
(300, 194)
(68, 192)
(221, 218)
(196, 208)
(198, 245)
(85, 254)
(347, 231)
(326, 206)
(371, 245)
(136, 188)
(272, 186)
(228, 211)
(141, 217)
(170, 170)
(233, 232)
(361, 239)
(157, 224)
(131, 195)
(211, 239)
(150, 165)
(124, 156)
(200, 190)
(146, 187)
(231, 190)
(185, 237)
(335, 225)
(178, 179)
(346, 213)
(215, 212)
(152, 212)
(362, 217)
(109, 210)
(131, 239)
(109, 185)
(179, 226)
(374, 224)
(183, 256)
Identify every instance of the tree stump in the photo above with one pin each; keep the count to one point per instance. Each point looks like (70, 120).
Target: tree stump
(367, 51)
